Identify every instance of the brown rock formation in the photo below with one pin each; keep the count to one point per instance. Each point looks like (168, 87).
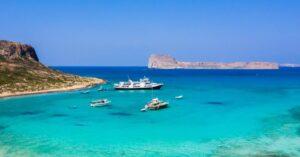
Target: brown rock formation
(168, 62)
(13, 50)
(22, 73)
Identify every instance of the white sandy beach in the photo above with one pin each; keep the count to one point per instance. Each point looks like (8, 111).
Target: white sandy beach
(62, 89)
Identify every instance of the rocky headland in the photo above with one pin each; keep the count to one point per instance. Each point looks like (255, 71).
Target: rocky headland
(21, 73)
(168, 62)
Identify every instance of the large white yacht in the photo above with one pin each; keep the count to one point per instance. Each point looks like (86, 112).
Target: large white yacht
(142, 84)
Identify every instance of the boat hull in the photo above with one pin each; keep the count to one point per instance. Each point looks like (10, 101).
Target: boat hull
(139, 88)
(158, 107)
(99, 104)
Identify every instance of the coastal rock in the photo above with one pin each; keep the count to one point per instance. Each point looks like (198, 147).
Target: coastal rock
(162, 61)
(21, 73)
(168, 62)
(14, 50)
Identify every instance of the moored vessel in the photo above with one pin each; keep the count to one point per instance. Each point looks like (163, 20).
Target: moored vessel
(100, 103)
(85, 92)
(142, 84)
(155, 104)
(179, 97)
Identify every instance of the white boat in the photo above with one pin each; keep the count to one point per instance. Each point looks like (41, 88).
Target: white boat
(85, 92)
(155, 104)
(100, 103)
(100, 89)
(179, 97)
(142, 84)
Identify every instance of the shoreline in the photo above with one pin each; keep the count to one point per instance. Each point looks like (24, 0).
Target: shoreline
(62, 89)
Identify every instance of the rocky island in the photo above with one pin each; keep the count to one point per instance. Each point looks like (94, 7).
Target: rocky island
(168, 62)
(21, 73)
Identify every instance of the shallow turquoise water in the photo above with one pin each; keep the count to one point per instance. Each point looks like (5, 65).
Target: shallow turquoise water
(232, 113)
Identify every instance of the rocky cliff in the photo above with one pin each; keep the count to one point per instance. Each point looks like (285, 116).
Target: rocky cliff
(168, 62)
(14, 51)
(22, 73)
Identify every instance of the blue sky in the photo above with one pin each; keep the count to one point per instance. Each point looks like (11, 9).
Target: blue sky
(126, 32)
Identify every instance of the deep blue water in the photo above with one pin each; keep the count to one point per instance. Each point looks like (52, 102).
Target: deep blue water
(223, 112)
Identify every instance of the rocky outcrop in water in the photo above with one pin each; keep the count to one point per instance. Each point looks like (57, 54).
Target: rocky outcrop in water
(168, 62)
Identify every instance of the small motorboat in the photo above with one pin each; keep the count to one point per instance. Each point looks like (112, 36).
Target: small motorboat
(85, 92)
(179, 97)
(100, 89)
(100, 103)
(155, 104)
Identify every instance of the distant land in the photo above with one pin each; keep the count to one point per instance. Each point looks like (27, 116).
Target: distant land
(21, 73)
(168, 62)
(289, 65)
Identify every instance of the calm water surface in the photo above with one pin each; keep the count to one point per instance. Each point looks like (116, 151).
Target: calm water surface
(223, 112)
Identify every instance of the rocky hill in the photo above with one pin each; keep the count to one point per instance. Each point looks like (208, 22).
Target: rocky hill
(22, 73)
(168, 62)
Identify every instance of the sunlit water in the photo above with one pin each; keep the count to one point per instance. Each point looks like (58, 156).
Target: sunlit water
(228, 113)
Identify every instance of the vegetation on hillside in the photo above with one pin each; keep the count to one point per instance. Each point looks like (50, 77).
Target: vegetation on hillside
(21, 71)
(20, 76)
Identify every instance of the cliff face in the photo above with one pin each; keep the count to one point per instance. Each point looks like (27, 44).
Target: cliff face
(21, 72)
(168, 62)
(162, 61)
(13, 51)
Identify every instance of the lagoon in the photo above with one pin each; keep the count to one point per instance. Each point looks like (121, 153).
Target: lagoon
(223, 112)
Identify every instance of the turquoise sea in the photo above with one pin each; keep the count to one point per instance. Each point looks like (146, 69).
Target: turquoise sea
(223, 113)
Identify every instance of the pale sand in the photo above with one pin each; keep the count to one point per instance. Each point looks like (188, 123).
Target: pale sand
(62, 89)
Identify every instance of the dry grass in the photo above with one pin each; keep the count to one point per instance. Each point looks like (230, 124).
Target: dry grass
(22, 76)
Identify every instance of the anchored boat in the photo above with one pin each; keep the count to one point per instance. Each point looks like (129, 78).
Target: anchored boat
(155, 104)
(100, 88)
(100, 103)
(85, 92)
(142, 84)
(179, 97)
